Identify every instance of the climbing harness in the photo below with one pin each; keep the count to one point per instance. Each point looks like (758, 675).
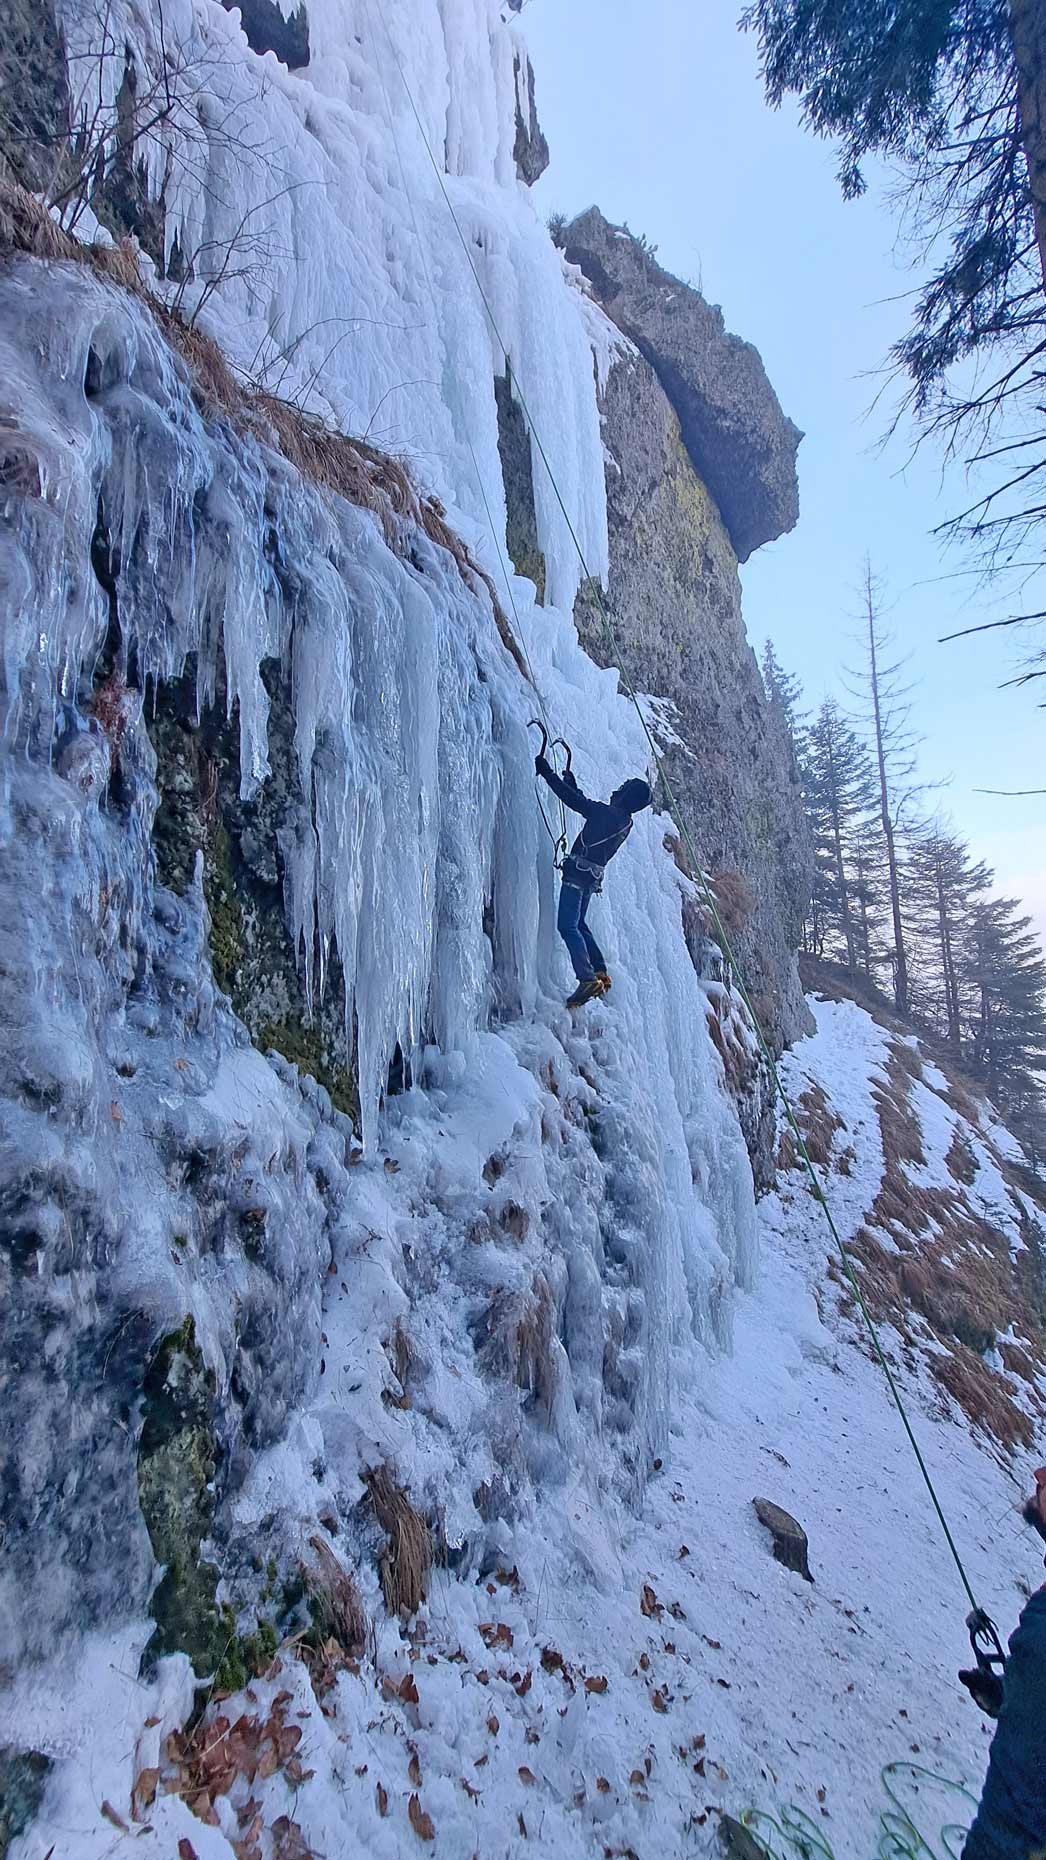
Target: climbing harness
(559, 841)
(698, 874)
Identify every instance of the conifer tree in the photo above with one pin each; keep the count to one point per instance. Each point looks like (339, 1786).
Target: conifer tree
(1006, 976)
(953, 94)
(784, 689)
(838, 785)
(942, 887)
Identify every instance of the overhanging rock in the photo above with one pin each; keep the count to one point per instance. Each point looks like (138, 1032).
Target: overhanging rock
(742, 445)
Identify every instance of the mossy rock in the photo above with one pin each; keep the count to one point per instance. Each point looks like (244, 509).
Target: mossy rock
(201, 811)
(177, 1464)
(303, 1047)
(23, 1774)
(521, 530)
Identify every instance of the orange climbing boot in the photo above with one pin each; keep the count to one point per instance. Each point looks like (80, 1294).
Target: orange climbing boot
(585, 991)
(604, 981)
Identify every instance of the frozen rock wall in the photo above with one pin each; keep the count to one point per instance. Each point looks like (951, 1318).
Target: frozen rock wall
(310, 1189)
(674, 495)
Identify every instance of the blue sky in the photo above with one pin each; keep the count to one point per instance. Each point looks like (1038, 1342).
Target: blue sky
(656, 115)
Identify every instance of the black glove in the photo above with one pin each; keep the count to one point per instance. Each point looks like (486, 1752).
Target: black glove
(541, 767)
(985, 1688)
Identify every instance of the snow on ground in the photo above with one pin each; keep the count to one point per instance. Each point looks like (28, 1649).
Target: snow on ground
(614, 1679)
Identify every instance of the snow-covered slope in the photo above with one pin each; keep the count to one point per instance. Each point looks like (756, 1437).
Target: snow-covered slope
(427, 1388)
(611, 1679)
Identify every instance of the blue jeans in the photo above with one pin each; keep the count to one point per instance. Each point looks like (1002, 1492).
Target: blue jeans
(584, 951)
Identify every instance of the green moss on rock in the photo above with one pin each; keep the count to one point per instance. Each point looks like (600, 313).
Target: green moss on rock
(201, 810)
(177, 1463)
(23, 1774)
(303, 1046)
(521, 532)
(223, 908)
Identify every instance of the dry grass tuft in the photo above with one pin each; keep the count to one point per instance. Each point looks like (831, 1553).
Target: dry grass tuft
(951, 1272)
(960, 1160)
(735, 900)
(818, 1124)
(349, 467)
(407, 1558)
(337, 1606)
(520, 1339)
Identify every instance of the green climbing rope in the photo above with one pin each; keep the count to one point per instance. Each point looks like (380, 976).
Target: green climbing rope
(697, 870)
(792, 1834)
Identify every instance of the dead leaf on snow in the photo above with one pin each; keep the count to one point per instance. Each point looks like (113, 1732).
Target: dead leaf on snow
(658, 1700)
(526, 1776)
(414, 1770)
(116, 1821)
(143, 1795)
(420, 1821)
(596, 1683)
(381, 1796)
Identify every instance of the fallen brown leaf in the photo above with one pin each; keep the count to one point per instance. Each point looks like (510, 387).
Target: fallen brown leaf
(420, 1821)
(381, 1796)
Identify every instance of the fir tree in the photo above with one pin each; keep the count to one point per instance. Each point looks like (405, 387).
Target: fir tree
(784, 689)
(1006, 977)
(953, 94)
(941, 890)
(839, 791)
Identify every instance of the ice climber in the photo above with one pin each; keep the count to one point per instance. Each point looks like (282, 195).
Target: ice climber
(607, 827)
(1011, 1821)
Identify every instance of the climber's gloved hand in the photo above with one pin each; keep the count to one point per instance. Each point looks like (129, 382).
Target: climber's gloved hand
(986, 1690)
(542, 767)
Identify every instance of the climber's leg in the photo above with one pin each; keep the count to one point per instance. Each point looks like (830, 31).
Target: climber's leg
(595, 954)
(573, 903)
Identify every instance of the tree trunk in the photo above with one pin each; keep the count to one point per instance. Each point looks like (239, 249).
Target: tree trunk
(951, 986)
(1028, 34)
(840, 873)
(900, 984)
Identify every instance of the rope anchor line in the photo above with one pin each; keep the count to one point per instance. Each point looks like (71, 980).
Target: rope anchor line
(697, 873)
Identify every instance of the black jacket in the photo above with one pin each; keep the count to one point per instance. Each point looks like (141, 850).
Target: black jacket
(605, 831)
(1011, 1820)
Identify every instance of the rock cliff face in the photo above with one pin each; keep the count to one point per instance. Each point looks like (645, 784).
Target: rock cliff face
(675, 600)
(740, 443)
(685, 426)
